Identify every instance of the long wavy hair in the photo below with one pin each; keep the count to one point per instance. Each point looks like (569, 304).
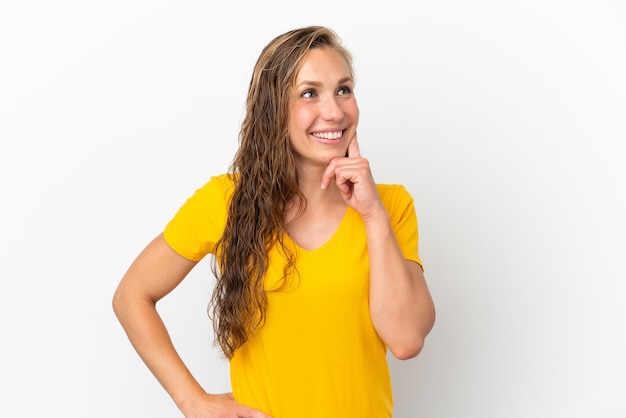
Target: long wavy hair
(265, 184)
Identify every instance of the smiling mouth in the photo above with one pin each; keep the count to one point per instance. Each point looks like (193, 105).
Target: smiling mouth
(328, 135)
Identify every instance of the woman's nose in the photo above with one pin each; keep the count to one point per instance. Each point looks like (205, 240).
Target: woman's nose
(331, 110)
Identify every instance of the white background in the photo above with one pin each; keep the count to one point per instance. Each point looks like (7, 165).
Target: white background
(504, 119)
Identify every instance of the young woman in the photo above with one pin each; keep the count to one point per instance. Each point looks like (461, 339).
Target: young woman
(317, 266)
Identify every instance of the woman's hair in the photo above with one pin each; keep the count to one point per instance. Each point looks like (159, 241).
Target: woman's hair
(266, 182)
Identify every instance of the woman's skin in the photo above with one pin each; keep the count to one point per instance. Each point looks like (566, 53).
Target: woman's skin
(322, 130)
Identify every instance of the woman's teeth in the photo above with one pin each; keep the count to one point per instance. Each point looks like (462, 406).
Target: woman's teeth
(328, 135)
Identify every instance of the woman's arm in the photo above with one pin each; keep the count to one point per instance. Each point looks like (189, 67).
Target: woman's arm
(401, 307)
(155, 273)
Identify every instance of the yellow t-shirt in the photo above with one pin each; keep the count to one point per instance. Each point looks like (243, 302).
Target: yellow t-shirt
(318, 354)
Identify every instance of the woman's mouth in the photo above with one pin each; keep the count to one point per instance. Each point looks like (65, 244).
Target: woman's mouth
(334, 135)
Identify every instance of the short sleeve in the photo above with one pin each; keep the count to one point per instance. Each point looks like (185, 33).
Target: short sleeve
(401, 209)
(200, 221)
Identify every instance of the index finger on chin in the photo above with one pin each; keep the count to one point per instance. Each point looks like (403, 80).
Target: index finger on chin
(353, 148)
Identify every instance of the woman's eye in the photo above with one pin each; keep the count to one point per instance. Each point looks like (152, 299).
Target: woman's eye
(344, 90)
(308, 93)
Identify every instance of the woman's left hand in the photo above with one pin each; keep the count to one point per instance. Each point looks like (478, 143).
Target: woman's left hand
(354, 179)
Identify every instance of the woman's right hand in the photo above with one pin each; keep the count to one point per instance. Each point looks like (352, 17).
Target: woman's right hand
(221, 406)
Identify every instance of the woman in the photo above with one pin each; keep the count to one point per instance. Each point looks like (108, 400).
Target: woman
(317, 266)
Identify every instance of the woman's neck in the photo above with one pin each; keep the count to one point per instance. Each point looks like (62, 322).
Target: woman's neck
(310, 181)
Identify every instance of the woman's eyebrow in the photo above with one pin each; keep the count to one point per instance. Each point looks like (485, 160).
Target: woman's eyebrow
(317, 83)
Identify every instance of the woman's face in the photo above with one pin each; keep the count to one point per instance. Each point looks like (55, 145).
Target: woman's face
(323, 114)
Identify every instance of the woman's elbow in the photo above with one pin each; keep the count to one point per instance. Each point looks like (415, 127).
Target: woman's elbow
(123, 303)
(410, 346)
(117, 303)
(407, 350)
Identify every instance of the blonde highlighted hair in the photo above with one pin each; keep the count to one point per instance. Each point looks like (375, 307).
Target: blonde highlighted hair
(266, 182)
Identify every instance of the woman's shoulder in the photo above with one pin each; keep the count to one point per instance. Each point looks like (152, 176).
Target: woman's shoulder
(218, 188)
(225, 179)
(219, 183)
(395, 197)
(392, 191)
